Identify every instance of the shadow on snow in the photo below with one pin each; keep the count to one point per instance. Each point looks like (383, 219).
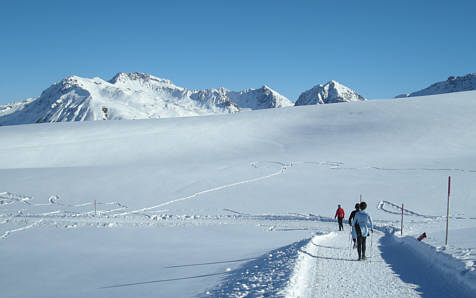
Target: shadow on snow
(266, 276)
(414, 268)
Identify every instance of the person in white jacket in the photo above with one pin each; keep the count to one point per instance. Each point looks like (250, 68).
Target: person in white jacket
(362, 223)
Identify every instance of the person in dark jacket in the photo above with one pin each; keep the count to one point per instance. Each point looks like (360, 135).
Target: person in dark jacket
(351, 217)
(340, 217)
(364, 222)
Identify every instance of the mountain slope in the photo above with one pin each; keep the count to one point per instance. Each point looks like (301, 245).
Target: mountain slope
(331, 92)
(452, 84)
(132, 96)
(262, 98)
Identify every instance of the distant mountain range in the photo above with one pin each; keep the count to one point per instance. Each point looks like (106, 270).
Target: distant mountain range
(133, 96)
(142, 96)
(452, 84)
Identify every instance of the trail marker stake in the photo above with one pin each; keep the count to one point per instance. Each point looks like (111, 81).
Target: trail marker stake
(360, 198)
(448, 209)
(401, 226)
(94, 207)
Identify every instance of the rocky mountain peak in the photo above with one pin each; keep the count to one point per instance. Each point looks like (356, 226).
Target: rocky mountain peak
(126, 77)
(331, 92)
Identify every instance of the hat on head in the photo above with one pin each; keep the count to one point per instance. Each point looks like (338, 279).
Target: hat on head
(363, 205)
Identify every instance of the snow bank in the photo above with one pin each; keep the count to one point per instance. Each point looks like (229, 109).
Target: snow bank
(436, 273)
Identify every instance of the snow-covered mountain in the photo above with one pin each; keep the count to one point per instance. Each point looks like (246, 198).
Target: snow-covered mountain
(262, 98)
(331, 92)
(452, 84)
(132, 96)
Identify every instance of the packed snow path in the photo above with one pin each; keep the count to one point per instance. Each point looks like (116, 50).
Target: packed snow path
(327, 267)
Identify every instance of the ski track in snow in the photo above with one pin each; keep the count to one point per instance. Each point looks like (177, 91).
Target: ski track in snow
(81, 214)
(218, 188)
(327, 267)
(101, 217)
(72, 218)
(407, 169)
(319, 267)
(34, 224)
(20, 218)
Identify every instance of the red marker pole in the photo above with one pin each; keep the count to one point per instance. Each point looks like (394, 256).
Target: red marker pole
(94, 207)
(401, 227)
(448, 209)
(360, 198)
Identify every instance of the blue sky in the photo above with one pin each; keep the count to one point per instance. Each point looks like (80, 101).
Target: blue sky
(378, 48)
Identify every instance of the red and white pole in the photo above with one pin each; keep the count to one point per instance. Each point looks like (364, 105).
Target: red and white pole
(448, 209)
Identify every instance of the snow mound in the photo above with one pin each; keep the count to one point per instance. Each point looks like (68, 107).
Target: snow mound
(452, 84)
(331, 92)
(424, 264)
(267, 275)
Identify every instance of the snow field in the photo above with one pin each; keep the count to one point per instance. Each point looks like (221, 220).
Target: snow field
(196, 205)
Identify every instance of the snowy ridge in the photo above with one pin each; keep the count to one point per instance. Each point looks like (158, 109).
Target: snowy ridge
(262, 98)
(452, 84)
(331, 92)
(14, 106)
(132, 96)
(140, 79)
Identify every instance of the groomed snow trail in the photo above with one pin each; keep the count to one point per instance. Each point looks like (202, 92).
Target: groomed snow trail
(328, 267)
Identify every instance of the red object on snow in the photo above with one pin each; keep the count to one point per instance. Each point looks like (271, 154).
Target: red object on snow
(339, 213)
(421, 237)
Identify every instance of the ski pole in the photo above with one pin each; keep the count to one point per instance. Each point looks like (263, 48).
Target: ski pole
(371, 246)
(350, 244)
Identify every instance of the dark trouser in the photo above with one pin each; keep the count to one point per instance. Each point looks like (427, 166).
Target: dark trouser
(361, 246)
(341, 226)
